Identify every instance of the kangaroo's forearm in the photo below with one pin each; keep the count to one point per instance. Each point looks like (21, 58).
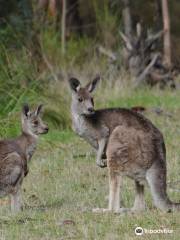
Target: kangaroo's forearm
(102, 144)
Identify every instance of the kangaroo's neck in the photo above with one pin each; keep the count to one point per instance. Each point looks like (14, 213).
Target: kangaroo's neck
(27, 144)
(83, 124)
(78, 122)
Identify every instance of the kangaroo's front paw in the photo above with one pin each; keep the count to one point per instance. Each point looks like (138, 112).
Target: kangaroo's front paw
(101, 163)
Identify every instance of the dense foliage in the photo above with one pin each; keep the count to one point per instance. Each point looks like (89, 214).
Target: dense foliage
(32, 66)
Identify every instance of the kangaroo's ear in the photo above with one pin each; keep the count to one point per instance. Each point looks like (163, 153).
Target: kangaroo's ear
(92, 85)
(38, 110)
(26, 110)
(74, 84)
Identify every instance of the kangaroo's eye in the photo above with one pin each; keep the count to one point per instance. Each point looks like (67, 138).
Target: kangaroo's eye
(35, 123)
(80, 99)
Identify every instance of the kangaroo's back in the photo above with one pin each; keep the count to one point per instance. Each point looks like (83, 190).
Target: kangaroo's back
(94, 124)
(8, 147)
(112, 117)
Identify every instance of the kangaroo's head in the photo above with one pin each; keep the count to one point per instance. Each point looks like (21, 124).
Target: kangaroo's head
(82, 100)
(31, 121)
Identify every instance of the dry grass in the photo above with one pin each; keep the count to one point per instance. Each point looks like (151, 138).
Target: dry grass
(64, 183)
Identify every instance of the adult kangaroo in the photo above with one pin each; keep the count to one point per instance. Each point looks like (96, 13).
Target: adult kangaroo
(133, 145)
(16, 153)
(95, 126)
(137, 151)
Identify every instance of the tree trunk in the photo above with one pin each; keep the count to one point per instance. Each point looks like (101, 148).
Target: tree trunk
(167, 37)
(158, 15)
(63, 26)
(127, 18)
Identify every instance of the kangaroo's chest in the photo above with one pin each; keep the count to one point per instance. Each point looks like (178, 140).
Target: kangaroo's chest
(30, 151)
(89, 132)
(82, 129)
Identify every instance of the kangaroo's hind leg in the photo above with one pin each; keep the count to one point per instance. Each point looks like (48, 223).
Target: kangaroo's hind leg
(13, 179)
(16, 180)
(156, 178)
(16, 201)
(139, 203)
(115, 184)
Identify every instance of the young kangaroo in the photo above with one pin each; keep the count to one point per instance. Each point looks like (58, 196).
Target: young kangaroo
(16, 153)
(138, 151)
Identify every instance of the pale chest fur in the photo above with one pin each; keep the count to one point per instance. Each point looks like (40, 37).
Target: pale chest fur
(30, 151)
(81, 127)
(90, 133)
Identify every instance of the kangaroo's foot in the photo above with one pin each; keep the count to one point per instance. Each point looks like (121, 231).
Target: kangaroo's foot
(101, 162)
(138, 209)
(100, 210)
(105, 210)
(156, 178)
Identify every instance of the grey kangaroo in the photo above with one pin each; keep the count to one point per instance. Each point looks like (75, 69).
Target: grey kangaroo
(93, 126)
(138, 151)
(133, 145)
(16, 153)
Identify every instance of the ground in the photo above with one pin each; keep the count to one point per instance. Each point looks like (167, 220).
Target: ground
(64, 184)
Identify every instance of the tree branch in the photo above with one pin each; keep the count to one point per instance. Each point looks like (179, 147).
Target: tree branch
(107, 53)
(126, 41)
(146, 71)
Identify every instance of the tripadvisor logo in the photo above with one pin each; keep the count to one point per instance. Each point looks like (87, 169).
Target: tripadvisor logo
(139, 231)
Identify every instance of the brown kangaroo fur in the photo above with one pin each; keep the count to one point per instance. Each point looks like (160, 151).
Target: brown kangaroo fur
(95, 126)
(16, 153)
(137, 151)
(133, 145)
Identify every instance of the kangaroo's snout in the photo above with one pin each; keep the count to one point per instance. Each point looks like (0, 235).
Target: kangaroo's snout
(91, 110)
(43, 129)
(46, 129)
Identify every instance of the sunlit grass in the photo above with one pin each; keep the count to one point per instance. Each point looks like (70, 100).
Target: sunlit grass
(64, 182)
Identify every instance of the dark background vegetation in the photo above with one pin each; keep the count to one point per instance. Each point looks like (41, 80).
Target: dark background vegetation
(33, 62)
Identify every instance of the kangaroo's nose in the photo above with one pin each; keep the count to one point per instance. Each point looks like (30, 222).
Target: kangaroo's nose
(91, 109)
(46, 129)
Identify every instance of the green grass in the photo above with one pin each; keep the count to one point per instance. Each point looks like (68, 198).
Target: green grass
(64, 182)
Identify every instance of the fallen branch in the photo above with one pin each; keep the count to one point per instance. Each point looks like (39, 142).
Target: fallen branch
(154, 37)
(140, 79)
(50, 67)
(126, 41)
(159, 76)
(107, 53)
